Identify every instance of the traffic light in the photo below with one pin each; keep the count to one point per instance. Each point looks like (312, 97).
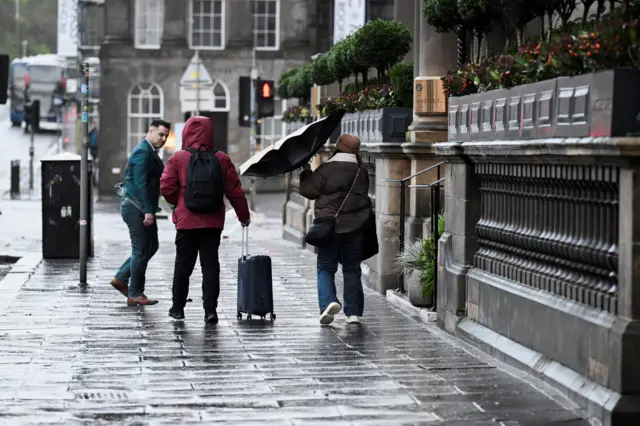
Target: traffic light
(265, 98)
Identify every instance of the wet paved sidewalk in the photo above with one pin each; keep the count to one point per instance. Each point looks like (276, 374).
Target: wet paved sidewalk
(72, 356)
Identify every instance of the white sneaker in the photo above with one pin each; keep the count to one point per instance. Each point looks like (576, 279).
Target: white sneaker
(353, 319)
(327, 315)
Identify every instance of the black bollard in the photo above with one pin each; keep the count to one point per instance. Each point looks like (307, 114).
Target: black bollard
(15, 179)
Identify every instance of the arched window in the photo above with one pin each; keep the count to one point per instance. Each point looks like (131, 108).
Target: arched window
(220, 96)
(146, 102)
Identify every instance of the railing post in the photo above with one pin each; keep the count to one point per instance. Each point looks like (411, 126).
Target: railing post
(435, 208)
(401, 225)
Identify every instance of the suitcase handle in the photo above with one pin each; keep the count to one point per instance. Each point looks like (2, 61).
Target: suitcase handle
(245, 242)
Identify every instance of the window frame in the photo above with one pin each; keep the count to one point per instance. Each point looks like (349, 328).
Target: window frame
(223, 27)
(255, 29)
(227, 98)
(137, 32)
(149, 114)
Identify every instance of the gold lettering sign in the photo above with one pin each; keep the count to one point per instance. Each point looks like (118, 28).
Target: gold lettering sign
(428, 96)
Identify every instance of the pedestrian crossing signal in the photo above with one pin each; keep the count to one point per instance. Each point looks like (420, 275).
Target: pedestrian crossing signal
(265, 101)
(266, 90)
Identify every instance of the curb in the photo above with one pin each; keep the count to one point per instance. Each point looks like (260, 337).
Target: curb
(401, 302)
(18, 276)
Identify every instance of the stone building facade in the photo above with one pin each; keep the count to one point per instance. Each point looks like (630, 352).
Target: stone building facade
(148, 45)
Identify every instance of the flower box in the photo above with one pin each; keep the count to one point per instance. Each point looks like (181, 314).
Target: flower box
(380, 125)
(600, 104)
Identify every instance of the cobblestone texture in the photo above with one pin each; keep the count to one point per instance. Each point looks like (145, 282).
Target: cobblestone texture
(81, 356)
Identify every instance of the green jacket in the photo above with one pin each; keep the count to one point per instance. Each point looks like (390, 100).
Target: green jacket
(142, 178)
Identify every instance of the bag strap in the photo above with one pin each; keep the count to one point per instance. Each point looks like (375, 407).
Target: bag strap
(348, 193)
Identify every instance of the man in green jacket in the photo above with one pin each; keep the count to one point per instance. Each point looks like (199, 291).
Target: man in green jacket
(140, 196)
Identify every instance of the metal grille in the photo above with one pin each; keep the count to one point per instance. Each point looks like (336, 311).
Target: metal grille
(552, 227)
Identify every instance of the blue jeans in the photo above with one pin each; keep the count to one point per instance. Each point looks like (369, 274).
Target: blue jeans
(144, 244)
(347, 250)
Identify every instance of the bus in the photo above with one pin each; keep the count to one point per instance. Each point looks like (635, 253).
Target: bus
(46, 76)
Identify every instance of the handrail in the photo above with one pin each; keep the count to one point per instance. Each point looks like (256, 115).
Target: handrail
(424, 186)
(402, 183)
(413, 175)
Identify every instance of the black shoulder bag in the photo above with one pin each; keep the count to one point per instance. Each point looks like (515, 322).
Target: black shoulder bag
(322, 230)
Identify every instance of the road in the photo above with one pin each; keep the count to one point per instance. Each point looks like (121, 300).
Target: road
(15, 146)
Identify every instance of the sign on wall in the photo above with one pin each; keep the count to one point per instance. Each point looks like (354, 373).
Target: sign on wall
(348, 16)
(68, 28)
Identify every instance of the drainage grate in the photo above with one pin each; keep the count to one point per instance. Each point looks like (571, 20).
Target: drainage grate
(102, 396)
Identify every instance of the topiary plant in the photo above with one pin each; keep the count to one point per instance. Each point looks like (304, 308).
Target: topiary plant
(353, 60)
(284, 85)
(401, 76)
(300, 84)
(321, 73)
(380, 44)
(337, 61)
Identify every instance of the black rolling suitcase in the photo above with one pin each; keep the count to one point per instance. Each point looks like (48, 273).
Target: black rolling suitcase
(255, 285)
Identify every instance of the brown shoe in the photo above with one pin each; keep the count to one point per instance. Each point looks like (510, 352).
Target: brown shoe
(120, 286)
(140, 300)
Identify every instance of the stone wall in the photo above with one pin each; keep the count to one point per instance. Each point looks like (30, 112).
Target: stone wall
(536, 265)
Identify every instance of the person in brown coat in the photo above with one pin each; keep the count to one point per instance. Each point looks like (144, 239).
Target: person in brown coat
(329, 186)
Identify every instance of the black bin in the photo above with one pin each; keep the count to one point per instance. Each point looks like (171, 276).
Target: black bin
(61, 207)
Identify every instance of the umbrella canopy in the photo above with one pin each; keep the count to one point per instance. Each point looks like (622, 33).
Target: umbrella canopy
(292, 151)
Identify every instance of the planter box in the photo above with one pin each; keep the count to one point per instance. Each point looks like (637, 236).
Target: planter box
(381, 125)
(597, 105)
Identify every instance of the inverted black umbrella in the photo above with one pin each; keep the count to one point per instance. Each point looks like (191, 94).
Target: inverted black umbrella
(294, 150)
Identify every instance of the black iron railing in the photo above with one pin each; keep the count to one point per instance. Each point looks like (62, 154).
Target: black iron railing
(553, 228)
(403, 186)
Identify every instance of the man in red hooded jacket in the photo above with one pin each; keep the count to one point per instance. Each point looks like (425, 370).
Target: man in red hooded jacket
(199, 232)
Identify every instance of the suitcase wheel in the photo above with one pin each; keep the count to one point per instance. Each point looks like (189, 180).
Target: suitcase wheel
(249, 317)
(273, 317)
(239, 316)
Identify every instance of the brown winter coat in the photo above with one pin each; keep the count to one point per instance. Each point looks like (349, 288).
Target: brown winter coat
(329, 184)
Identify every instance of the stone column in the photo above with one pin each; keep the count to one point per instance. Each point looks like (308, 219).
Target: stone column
(459, 242)
(624, 371)
(380, 271)
(403, 11)
(118, 18)
(437, 56)
(176, 24)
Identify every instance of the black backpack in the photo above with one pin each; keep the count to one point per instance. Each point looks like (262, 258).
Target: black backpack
(205, 187)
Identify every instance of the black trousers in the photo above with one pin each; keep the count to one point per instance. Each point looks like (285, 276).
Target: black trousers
(190, 243)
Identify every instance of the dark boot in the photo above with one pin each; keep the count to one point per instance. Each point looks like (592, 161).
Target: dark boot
(176, 312)
(211, 316)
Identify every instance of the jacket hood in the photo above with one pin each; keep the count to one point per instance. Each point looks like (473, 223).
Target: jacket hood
(197, 133)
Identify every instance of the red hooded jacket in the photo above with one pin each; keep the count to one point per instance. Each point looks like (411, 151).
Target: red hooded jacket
(197, 133)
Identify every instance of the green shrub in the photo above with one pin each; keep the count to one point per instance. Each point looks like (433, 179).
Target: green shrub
(379, 44)
(401, 76)
(337, 61)
(321, 73)
(284, 85)
(300, 83)
(421, 256)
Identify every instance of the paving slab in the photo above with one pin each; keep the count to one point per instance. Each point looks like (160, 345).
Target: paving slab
(73, 355)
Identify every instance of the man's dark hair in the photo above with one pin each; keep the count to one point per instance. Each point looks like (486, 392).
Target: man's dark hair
(160, 122)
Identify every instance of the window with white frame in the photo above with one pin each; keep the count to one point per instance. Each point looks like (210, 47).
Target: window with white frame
(149, 23)
(146, 102)
(220, 97)
(207, 24)
(266, 24)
